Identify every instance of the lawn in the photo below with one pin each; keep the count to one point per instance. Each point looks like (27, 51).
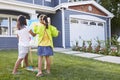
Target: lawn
(64, 67)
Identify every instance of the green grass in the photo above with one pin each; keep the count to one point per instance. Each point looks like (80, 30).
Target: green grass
(64, 67)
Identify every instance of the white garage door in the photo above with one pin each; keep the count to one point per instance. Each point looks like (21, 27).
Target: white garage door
(88, 30)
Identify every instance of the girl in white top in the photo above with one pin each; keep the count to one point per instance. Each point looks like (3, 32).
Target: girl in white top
(23, 45)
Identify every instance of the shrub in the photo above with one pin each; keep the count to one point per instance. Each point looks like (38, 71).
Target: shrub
(83, 46)
(76, 47)
(89, 49)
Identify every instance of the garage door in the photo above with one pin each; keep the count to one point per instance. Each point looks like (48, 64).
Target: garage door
(88, 30)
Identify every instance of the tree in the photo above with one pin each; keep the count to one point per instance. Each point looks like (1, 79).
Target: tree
(114, 7)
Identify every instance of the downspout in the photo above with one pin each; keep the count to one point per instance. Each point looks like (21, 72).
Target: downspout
(33, 2)
(106, 29)
(43, 2)
(59, 1)
(63, 27)
(110, 29)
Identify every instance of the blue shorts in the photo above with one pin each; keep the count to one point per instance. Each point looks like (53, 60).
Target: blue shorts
(45, 51)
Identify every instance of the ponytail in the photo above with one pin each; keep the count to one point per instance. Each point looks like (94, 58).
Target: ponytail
(46, 21)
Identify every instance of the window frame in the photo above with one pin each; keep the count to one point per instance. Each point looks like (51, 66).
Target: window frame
(100, 23)
(74, 21)
(9, 17)
(48, 0)
(11, 34)
(3, 16)
(85, 22)
(91, 23)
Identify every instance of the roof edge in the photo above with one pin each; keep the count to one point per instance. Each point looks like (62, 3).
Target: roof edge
(66, 5)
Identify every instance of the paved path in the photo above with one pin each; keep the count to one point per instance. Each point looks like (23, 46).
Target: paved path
(100, 57)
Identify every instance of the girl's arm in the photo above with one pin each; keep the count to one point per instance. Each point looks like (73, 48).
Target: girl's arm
(17, 36)
(54, 31)
(31, 32)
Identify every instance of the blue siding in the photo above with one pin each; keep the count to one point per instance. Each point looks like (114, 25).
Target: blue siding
(8, 43)
(38, 2)
(28, 1)
(50, 4)
(56, 2)
(63, 1)
(56, 20)
(67, 25)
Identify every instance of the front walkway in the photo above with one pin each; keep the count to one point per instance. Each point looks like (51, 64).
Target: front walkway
(100, 57)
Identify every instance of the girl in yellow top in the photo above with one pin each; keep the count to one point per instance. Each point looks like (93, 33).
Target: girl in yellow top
(45, 33)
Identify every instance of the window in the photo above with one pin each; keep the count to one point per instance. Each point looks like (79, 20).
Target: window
(48, 0)
(74, 20)
(13, 26)
(100, 24)
(92, 23)
(8, 25)
(4, 26)
(84, 22)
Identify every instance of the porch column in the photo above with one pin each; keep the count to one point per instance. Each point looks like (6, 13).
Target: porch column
(33, 16)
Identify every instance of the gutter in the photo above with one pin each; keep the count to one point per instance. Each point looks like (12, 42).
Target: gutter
(29, 5)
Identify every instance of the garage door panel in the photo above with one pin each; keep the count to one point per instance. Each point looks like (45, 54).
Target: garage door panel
(80, 32)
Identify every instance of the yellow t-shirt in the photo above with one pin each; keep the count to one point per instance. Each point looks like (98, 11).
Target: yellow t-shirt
(45, 40)
(39, 28)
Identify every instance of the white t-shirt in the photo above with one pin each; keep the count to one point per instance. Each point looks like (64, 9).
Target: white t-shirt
(24, 36)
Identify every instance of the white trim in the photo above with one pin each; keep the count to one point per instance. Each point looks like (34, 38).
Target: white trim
(33, 1)
(17, 8)
(105, 31)
(110, 28)
(68, 1)
(66, 5)
(7, 15)
(48, 0)
(8, 26)
(33, 16)
(14, 17)
(7, 36)
(11, 25)
(87, 17)
(63, 28)
(43, 2)
(59, 1)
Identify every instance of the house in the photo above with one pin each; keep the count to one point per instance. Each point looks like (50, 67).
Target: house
(77, 21)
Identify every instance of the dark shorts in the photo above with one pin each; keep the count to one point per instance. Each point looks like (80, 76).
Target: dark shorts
(45, 51)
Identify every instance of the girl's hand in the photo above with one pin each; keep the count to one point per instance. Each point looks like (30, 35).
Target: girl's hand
(31, 32)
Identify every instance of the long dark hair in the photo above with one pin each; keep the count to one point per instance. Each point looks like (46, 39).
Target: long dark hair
(46, 21)
(21, 22)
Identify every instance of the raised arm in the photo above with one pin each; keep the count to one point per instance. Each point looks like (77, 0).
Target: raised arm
(31, 32)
